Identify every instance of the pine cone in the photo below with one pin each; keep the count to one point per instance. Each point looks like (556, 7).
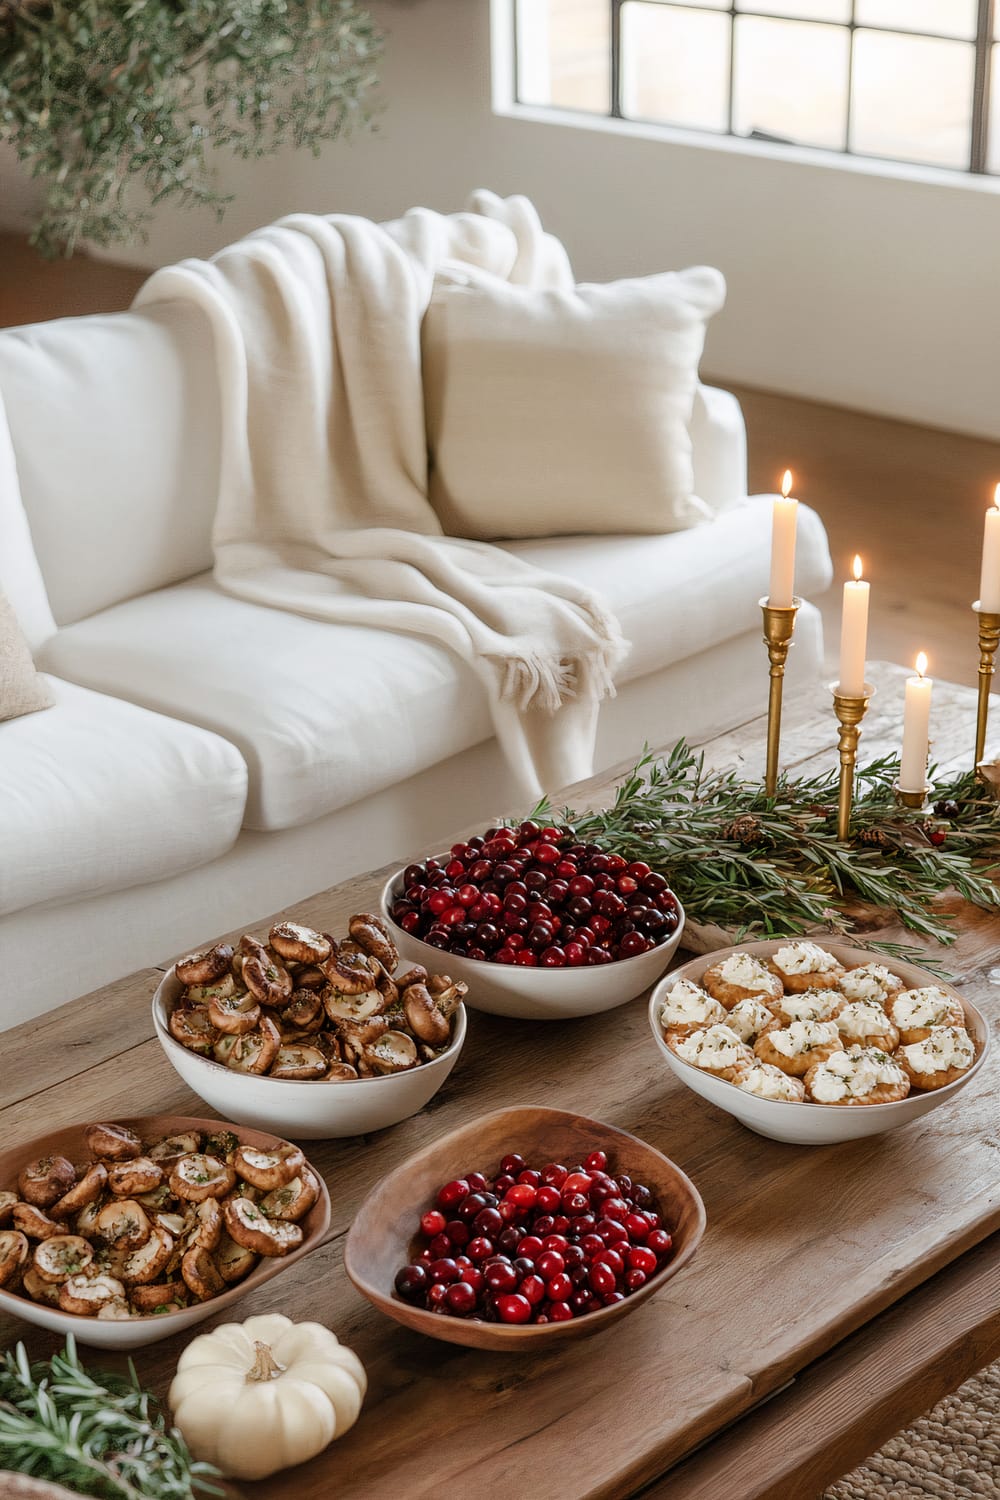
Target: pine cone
(873, 836)
(742, 830)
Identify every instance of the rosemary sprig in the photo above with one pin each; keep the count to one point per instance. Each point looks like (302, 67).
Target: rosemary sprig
(98, 1434)
(768, 866)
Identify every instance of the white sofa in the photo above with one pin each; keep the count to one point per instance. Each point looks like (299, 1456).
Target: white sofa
(209, 760)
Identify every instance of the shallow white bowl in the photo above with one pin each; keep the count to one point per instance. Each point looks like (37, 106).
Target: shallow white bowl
(815, 1124)
(304, 1110)
(536, 994)
(135, 1333)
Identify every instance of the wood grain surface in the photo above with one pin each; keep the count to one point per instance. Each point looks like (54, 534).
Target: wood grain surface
(803, 1246)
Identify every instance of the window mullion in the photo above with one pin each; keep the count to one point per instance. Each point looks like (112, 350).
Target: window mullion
(981, 87)
(616, 59)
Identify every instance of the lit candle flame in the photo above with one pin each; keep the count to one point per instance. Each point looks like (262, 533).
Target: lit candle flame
(786, 486)
(922, 664)
(857, 570)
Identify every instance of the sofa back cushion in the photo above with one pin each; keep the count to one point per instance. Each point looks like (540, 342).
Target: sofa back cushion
(114, 424)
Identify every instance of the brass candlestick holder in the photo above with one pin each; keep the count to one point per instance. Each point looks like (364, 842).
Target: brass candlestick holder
(850, 710)
(915, 800)
(779, 627)
(989, 641)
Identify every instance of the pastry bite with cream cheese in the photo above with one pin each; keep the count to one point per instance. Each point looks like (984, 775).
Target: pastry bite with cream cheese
(807, 1005)
(795, 1048)
(748, 1018)
(739, 977)
(942, 1057)
(715, 1049)
(687, 1007)
(915, 1013)
(858, 1075)
(768, 1082)
(865, 1023)
(870, 982)
(806, 966)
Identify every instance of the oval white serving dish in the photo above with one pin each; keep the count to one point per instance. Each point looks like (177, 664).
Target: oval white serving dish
(815, 1124)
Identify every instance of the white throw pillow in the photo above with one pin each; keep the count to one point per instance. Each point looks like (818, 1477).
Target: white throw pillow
(22, 690)
(553, 412)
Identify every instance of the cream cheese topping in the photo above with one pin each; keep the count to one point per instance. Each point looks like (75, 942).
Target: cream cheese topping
(749, 1017)
(746, 971)
(716, 1047)
(811, 1005)
(930, 1006)
(946, 1047)
(804, 958)
(768, 1082)
(862, 1018)
(688, 1005)
(803, 1036)
(869, 982)
(853, 1074)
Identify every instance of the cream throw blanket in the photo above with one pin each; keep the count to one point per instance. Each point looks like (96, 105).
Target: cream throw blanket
(323, 506)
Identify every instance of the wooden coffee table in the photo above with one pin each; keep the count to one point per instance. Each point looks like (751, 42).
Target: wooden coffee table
(858, 1281)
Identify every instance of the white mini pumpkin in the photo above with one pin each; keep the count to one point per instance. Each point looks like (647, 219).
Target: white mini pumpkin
(259, 1396)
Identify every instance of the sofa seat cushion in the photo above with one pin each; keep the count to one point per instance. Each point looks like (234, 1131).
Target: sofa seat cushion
(97, 795)
(325, 714)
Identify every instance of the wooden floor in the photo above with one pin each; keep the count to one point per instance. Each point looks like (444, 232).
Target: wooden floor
(909, 499)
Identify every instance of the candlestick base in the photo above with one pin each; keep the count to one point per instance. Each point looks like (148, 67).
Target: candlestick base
(779, 627)
(989, 641)
(910, 799)
(850, 709)
(988, 772)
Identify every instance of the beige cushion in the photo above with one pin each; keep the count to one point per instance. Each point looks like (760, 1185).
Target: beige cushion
(22, 691)
(552, 413)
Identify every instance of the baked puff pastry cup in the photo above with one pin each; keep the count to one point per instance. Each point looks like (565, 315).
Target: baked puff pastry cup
(865, 1024)
(858, 1075)
(714, 1049)
(796, 1048)
(870, 982)
(941, 1058)
(807, 1005)
(687, 1007)
(916, 1012)
(741, 976)
(805, 966)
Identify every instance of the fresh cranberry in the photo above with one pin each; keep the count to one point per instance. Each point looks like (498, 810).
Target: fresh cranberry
(543, 1224)
(653, 884)
(530, 1246)
(560, 1224)
(611, 1259)
(575, 1204)
(411, 1282)
(577, 1182)
(596, 956)
(556, 1242)
(632, 944)
(461, 1299)
(440, 1245)
(573, 1256)
(547, 854)
(566, 869)
(500, 1277)
(602, 1278)
(591, 1245)
(636, 1225)
(634, 1279)
(513, 1308)
(437, 1297)
(480, 1249)
(510, 1238)
(550, 1263)
(660, 1242)
(642, 1259)
(548, 1198)
(458, 1233)
(504, 956)
(528, 831)
(527, 958)
(471, 1205)
(452, 1193)
(597, 1161)
(432, 1222)
(560, 1312)
(626, 885)
(523, 1194)
(615, 1208)
(556, 892)
(554, 1174)
(503, 873)
(444, 1270)
(554, 958)
(489, 1222)
(533, 1288)
(531, 1176)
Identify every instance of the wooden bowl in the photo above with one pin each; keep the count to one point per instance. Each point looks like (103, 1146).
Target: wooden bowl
(136, 1332)
(385, 1229)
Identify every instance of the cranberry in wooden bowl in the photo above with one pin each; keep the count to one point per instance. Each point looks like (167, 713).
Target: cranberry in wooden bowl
(537, 925)
(390, 1229)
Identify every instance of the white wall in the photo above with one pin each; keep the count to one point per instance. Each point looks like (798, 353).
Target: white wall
(846, 284)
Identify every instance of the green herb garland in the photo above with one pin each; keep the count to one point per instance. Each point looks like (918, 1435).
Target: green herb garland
(98, 1434)
(763, 866)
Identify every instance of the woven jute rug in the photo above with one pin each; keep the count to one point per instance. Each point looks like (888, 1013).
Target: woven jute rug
(951, 1453)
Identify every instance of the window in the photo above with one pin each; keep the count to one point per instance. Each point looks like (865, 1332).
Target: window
(908, 80)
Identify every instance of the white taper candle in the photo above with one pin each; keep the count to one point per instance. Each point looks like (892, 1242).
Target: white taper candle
(854, 635)
(784, 519)
(916, 730)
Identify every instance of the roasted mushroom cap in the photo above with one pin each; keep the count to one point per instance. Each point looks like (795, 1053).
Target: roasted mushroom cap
(249, 1227)
(223, 1144)
(198, 1176)
(32, 1222)
(43, 1182)
(218, 991)
(234, 1261)
(39, 1290)
(353, 1007)
(341, 1073)
(113, 1142)
(205, 967)
(264, 975)
(89, 1188)
(204, 1227)
(448, 993)
(371, 934)
(167, 1151)
(269, 1169)
(305, 1011)
(349, 970)
(423, 1016)
(86, 1295)
(126, 1179)
(299, 944)
(146, 1263)
(311, 977)
(234, 1014)
(191, 1025)
(13, 1254)
(7, 1201)
(296, 1063)
(224, 1049)
(157, 1295)
(256, 1051)
(200, 1274)
(415, 975)
(123, 1223)
(293, 1201)
(63, 1256)
(395, 1052)
(117, 1310)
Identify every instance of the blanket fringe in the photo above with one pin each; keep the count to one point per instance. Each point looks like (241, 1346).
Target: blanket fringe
(537, 681)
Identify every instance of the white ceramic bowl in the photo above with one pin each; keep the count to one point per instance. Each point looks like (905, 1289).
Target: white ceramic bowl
(304, 1110)
(536, 994)
(136, 1333)
(815, 1124)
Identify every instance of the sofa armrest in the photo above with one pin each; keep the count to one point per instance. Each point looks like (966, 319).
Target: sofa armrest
(719, 441)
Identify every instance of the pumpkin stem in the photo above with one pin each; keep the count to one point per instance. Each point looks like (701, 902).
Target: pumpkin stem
(265, 1366)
